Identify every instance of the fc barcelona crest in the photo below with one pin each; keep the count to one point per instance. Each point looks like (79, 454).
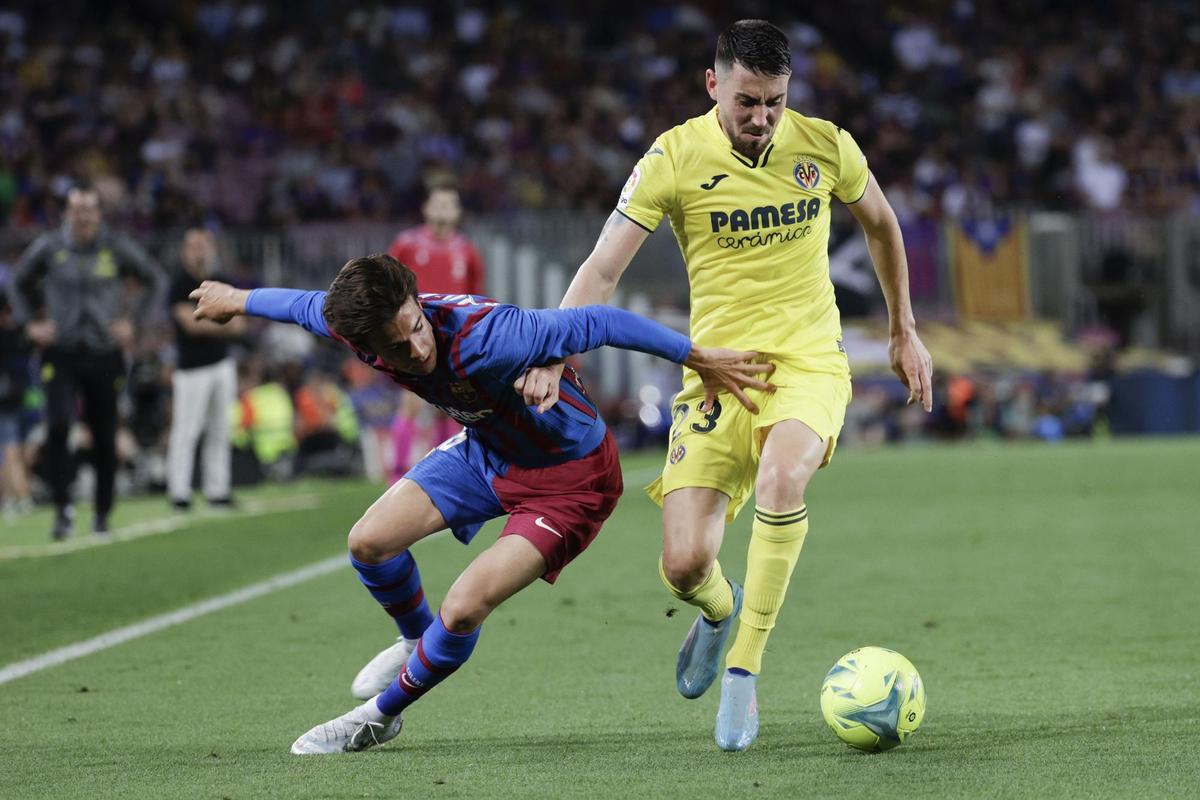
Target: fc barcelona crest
(806, 172)
(464, 392)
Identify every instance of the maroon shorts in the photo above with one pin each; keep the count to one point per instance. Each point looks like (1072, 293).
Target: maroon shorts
(560, 509)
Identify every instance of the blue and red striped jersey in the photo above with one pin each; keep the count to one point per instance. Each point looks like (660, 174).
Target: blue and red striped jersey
(483, 346)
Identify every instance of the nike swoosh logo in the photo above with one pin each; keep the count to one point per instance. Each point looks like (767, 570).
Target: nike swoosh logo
(654, 151)
(541, 523)
(715, 180)
(408, 683)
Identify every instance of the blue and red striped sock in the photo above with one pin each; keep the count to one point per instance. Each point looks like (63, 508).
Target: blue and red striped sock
(396, 584)
(439, 652)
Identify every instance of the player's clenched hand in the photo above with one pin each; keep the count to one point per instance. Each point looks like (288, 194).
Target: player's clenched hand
(218, 301)
(539, 386)
(730, 371)
(913, 365)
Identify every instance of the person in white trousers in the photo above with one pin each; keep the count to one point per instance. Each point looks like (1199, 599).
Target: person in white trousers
(204, 383)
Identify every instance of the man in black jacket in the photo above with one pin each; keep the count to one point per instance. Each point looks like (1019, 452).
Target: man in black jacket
(68, 289)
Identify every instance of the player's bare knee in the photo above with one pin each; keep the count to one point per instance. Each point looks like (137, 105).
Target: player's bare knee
(781, 487)
(686, 568)
(687, 559)
(364, 546)
(463, 614)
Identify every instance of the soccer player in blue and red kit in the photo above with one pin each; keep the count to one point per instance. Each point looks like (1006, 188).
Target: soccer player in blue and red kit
(555, 472)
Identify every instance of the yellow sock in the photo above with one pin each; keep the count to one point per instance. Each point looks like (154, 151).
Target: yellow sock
(713, 596)
(775, 542)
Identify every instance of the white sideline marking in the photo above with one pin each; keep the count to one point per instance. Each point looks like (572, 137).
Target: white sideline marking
(62, 655)
(152, 527)
(251, 508)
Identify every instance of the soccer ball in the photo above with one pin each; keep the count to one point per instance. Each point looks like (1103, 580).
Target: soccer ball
(873, 699)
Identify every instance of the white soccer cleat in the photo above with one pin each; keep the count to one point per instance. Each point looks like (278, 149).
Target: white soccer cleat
(379, 672)
(357, 729)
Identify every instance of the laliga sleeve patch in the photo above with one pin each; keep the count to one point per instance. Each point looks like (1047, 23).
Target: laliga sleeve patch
(630, 186)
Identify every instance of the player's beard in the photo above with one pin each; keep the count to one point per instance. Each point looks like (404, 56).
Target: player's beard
(751, 149)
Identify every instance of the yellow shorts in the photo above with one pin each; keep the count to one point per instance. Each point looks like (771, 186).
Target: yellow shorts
(720, 450)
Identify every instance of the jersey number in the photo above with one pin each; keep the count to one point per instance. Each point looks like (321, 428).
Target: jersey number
(680, 414)
(710, 419)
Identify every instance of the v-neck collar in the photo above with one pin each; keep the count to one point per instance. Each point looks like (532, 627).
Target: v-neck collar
(753, 163)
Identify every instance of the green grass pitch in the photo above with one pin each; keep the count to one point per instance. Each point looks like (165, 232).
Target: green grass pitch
(1048, 595)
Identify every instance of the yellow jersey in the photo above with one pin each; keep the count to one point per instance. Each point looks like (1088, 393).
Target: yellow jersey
(754, 233)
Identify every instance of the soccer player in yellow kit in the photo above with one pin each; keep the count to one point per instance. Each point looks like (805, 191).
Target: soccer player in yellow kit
(747, 188)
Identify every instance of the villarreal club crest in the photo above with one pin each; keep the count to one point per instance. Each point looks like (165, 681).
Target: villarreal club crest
(806, 172)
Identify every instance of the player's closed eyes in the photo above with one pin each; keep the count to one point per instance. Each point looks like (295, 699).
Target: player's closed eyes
(401, 346)
(751, 103)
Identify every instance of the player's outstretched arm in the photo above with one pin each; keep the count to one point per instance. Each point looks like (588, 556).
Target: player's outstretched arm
(910, 360)
(221, 302)
(550, 334)
(594, 282)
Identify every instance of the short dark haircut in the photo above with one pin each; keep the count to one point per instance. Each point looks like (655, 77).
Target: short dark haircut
(82, 187)
(755, 44)
(365, 296)
(439, 182)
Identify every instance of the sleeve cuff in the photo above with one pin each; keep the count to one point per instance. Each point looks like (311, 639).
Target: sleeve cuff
(635, 222)
(860, 194)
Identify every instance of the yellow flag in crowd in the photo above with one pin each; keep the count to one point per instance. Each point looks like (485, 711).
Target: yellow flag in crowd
(989, 266)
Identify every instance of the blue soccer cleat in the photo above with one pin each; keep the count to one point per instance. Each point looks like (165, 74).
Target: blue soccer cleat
(700, 654)
(737, 716)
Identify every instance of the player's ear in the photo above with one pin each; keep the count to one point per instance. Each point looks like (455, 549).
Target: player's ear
(710, 83)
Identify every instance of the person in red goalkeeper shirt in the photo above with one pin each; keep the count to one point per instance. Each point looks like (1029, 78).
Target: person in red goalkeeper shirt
(445, 262)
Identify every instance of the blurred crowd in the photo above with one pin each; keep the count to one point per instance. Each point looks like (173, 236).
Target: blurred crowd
(1001, 405)
(261, 114)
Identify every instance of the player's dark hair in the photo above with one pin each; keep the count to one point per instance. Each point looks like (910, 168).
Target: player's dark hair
(755, 44)
(438, 182)
(365, 296)
(83, 187)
